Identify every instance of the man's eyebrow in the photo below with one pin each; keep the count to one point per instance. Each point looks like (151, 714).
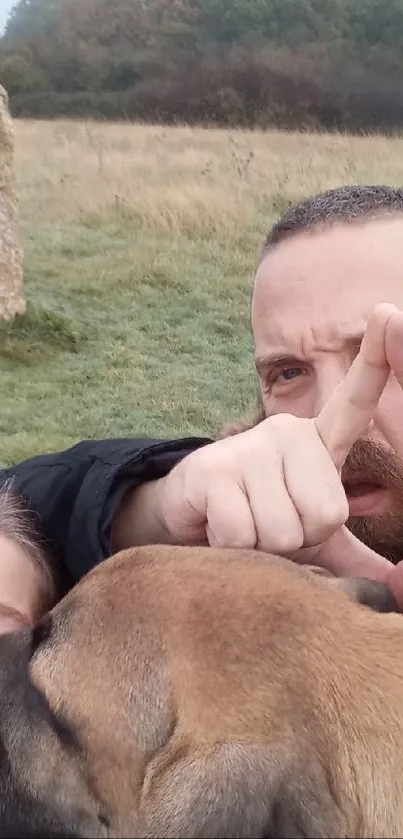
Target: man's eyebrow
(263, 362)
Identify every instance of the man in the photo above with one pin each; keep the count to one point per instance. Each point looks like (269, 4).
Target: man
(29, 582)
(330, 362)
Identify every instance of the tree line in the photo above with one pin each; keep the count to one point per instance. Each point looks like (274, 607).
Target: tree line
(286, 63)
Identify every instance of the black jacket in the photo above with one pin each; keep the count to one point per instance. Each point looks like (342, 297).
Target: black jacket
(75, 494)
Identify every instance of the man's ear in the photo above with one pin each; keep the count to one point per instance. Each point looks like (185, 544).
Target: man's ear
(239, 790)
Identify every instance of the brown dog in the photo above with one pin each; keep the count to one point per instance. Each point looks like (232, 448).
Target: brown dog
(183, 692)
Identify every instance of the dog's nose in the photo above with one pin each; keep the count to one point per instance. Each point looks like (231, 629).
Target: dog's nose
(372, 593)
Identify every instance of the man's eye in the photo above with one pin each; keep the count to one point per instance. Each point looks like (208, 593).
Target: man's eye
(290, 373)
(284, 376)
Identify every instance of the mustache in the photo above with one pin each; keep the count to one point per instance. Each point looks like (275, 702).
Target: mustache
(372, 462)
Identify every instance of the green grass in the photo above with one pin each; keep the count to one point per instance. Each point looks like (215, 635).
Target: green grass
(140, 247)
(125, 335)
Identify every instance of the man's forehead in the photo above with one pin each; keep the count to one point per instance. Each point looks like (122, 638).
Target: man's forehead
(363, 247)
(331, 279)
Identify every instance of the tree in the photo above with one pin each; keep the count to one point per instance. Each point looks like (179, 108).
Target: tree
(33, 18)
(289, 62)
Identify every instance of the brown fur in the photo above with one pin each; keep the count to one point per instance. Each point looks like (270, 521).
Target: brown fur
(181, 692)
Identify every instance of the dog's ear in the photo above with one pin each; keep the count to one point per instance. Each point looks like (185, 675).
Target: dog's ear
(238, 790)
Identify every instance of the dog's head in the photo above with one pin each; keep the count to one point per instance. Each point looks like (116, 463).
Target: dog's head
(191, 693)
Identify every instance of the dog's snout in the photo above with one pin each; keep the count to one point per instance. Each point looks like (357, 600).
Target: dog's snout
(376, 595)
(372, 593)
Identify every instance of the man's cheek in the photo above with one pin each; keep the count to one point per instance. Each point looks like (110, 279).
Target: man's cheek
(11, 619)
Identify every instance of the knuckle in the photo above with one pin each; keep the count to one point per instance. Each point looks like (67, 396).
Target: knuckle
(335, 512)
(289, 432)
(287, 541)
(328, 518)
(284, 422)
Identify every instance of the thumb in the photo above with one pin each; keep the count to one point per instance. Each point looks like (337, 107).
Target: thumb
(345, 556)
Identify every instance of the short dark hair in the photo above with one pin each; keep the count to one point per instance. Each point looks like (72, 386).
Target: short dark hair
(344, 204)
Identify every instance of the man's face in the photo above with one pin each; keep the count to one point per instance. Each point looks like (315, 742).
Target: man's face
(312, 297)
(20, 586)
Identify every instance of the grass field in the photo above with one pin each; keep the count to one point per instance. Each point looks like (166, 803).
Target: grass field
(140, 247)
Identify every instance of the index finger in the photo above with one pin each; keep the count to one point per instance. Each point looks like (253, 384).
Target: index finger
(348, 412)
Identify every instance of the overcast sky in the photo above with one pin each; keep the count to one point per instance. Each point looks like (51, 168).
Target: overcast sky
(5, 6)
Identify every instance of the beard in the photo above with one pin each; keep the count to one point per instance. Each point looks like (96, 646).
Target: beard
(371, 462)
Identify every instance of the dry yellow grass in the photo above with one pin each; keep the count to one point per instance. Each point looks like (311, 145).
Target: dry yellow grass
(140, 246)
(186, 179)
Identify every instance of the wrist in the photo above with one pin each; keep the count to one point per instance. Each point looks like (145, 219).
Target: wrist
(139, 520)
